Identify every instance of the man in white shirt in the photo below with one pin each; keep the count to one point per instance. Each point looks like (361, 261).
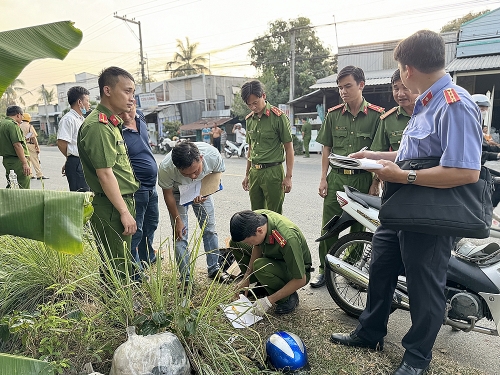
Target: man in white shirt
(187, 163)
(240, 134)
(78, 98)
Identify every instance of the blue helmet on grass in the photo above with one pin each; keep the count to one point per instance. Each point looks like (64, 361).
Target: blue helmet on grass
(286, 351)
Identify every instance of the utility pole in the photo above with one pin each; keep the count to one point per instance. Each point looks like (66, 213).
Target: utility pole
(143, 74)
(292, 73)
(46, 109)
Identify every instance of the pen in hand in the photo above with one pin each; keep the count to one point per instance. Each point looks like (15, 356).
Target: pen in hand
(363, 149)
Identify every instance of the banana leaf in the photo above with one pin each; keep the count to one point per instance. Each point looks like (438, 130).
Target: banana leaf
(53, 217)
(20, 47)
(17, 365)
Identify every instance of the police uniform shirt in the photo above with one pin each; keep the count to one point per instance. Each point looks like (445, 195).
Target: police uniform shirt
(293, 250)
(101, 145)
(169, 177)
(390, 130)
(346, 132)
(446, 123)
(11, 133)
(68, 130)
(267, 134)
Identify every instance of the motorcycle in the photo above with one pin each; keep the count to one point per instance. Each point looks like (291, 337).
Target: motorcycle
(165, 145)
(473, 277)
(231, 149)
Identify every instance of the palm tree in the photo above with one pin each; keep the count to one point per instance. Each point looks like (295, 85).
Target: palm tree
(186, 61)
(46, 96)
(11, 93)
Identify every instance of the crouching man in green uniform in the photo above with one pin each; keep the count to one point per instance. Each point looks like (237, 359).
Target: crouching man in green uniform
(107, 167)
(271, 250)
(13, 147)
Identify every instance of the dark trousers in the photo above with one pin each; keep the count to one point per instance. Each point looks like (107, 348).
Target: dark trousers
(425, 259)
(74, 174)
(146, 218)
(217, 143)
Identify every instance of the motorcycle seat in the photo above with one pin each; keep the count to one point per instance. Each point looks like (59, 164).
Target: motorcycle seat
(363, 199)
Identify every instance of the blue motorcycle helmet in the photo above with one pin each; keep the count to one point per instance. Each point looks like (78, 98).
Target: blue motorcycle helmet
(286, 351)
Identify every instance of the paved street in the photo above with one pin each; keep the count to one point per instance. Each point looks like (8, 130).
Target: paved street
(303, 206)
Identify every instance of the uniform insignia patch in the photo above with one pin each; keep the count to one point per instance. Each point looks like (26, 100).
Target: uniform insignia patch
(278, 237)
(249, 115)
(389, 112)
(451, 96)
(268, 112)
(276, 111)
(336, 107)
(376, 108)
(114, 120)
(271, 239)
(427, 98)
(103, 118)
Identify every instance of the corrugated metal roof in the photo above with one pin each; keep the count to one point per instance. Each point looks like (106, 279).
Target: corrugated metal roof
(205, 123)
(474, 63)
(377, 77)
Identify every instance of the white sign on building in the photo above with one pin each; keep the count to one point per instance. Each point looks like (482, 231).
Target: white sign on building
(147, 100)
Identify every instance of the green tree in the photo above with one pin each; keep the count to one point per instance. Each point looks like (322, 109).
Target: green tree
(270, 54)
(239, 108)
(11, 95)
(186, 61)
(171, 128)
(46, 96)
(457, 22)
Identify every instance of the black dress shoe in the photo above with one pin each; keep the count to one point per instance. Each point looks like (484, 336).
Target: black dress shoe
(351, 339)
(288, 306)
(406, 369)
(221, 276)
(42, 178)
(318, 281)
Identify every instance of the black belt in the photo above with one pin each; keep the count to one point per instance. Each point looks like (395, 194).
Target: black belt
(73, 156)
(349, 171)
(265, 165)
(123, 195)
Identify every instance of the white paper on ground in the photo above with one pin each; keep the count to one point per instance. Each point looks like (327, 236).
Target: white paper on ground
(239, 313)
(189, 192)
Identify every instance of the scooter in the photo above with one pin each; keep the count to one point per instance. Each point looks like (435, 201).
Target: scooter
(231, 149)
(165, 145)
(473, 278)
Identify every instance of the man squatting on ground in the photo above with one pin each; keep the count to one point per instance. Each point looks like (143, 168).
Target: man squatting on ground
(269, 137)
(444, 119)
(271, 250)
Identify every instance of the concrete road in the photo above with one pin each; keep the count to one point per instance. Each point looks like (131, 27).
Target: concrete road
(303, 206)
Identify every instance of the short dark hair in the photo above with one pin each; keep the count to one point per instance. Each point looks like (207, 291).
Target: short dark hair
(75, 93)
(14, 110)
(252, 87)
(357, 73)
(184, 154)
(396, 76)
(109, 77)
(244, 224)
(423, 50)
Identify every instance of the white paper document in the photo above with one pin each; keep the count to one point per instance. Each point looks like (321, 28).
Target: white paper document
(352, 163)
(189, 192)
(239, 313)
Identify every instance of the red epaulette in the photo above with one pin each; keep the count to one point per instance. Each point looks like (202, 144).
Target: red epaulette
(336, 107)
(103, 118)
(278, 237)
(249, 115)
(390, 111)
(451, 96)
(114, 120)
(376, 108)
(276, 111)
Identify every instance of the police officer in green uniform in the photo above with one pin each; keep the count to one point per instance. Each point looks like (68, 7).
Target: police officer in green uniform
(107, 167)
(269, 137)
(272, 250)
(347, 128)
(306, 136)
(394, 121)
(13, 147)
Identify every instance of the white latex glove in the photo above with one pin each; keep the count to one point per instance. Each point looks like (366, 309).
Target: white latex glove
(261, 306)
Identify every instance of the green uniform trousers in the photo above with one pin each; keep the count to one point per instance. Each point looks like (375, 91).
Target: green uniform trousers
(108, 228)
(271, 273)
(331, 207)
(306, 145)
(13, 162)
(265, 190)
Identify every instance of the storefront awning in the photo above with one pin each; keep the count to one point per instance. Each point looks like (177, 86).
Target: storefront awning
(205, 123)
(465, 64)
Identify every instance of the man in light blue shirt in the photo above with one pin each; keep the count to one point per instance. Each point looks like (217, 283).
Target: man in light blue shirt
(186, 163)
(446, 125)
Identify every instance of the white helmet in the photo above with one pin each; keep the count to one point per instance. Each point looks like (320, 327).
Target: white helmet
(481, 100)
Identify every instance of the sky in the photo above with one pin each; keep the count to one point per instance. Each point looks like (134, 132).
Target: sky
(224, 29)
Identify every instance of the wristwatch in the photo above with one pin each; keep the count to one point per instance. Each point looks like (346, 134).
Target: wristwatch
(412, 176)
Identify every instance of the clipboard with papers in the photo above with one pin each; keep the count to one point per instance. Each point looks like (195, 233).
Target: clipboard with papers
(339, 161)
(208, 185)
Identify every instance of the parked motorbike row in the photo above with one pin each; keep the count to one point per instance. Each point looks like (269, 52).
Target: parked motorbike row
(473, 278)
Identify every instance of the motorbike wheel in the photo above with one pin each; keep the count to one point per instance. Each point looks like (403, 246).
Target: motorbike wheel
(348, 296)
(227, 154)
